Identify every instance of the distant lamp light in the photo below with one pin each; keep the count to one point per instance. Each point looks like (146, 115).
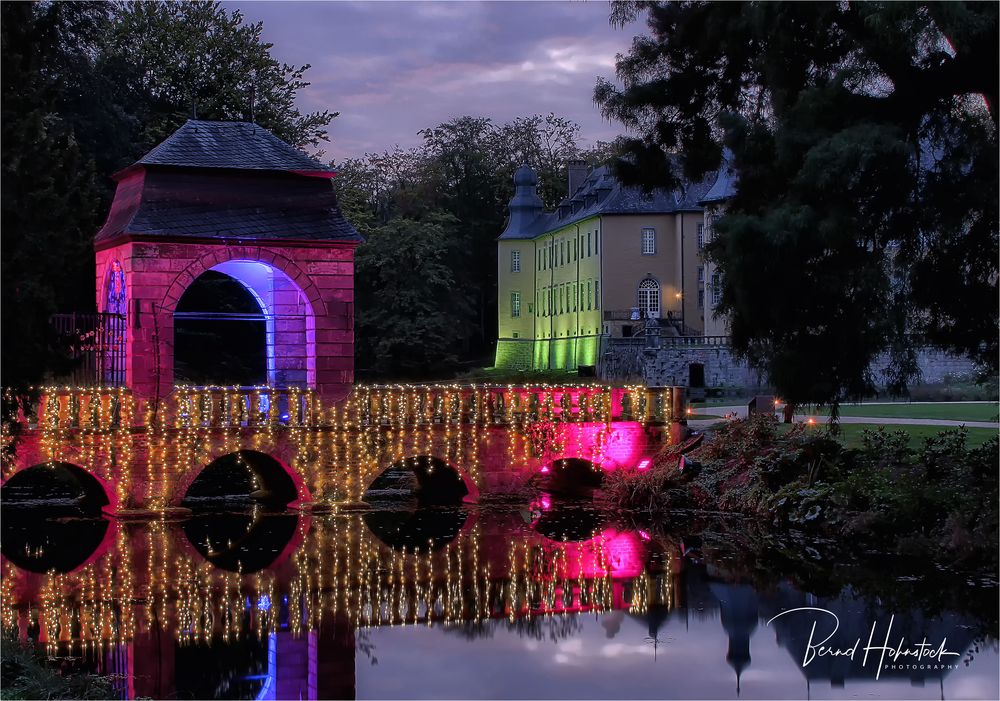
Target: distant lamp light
(545, 469)
(644, 535)
(810, 420)
(644, 464)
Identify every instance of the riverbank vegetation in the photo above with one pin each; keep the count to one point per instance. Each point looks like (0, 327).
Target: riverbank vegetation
(936, 496)
(27, 673)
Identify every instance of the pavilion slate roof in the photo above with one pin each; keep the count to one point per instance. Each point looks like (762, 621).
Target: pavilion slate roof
(227, 180)
(206, 221)
(602, 194)
(243, 145)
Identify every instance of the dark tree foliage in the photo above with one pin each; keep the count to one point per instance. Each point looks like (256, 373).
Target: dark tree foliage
(865, 138)
(459, 182)
(174, 59)
(408, 310)
(88, 87)
(49, 196)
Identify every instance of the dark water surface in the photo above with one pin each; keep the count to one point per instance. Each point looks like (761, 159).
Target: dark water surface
(551, 600)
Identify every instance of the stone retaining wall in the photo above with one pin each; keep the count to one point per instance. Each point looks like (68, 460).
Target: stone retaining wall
(670, 365)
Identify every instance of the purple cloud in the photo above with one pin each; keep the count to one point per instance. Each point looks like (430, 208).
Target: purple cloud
(393, 68)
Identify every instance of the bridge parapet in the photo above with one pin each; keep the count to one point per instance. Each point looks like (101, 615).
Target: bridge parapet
(495, 438)
(108, 409)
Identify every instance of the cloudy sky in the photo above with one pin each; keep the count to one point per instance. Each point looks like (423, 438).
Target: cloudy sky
(393, 68)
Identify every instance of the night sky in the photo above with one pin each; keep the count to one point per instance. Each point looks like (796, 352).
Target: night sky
(393, 68)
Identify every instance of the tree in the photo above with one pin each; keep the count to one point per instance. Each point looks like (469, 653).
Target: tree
(409, 312)
(88, 87)
(172, 59)
(865, 140)
(49, 196)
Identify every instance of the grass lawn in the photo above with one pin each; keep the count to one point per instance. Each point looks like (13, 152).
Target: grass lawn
(956, 411)
(850, 434)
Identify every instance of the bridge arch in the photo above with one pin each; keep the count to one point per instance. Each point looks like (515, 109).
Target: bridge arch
(70, 481)
(437, 481)
(270, 480)
(569, 476)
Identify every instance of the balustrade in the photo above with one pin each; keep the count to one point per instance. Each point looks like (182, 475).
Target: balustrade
(104, 408)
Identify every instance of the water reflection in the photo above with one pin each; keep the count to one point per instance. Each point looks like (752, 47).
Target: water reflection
(59, 544)
(561, 602)
(244, 542)
(416, 527)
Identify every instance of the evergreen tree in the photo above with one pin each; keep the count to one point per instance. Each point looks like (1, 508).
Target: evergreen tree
(865, 138)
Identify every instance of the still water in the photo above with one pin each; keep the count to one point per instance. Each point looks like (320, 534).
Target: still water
(548, 600)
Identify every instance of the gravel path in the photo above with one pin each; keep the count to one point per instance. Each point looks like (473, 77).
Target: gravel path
(741, 412)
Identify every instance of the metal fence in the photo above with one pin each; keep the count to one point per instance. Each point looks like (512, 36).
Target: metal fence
(93, 345)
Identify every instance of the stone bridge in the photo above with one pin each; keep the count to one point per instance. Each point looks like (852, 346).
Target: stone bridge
(148, 601)
(460, 442)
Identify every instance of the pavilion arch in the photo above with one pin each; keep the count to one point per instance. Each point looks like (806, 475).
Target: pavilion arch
(281, 485)
(437, 481)
(288, 300)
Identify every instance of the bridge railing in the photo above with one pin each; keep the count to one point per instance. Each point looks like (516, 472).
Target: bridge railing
(103, 409)
(505, 404)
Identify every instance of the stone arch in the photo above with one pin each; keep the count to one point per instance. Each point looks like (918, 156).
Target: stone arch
(280, 289)
(434, 478)
(253, 253)
(570, 476)
(273, 474)
(94, 489)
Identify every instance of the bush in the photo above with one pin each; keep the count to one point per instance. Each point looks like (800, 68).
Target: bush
(939, 497)
(27, 673)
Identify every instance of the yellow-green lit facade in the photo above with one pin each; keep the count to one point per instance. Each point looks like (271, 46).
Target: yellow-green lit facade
(569, 277)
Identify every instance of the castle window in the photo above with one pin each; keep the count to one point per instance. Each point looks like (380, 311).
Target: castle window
(649, 298)
(515, 304)
(590, 298)
(701, 273)
(716, 289)
(115, 289)
(701, 298)
(589, 249)
(597, 294)
(515, 261)
(648, 241)
(701, 236)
